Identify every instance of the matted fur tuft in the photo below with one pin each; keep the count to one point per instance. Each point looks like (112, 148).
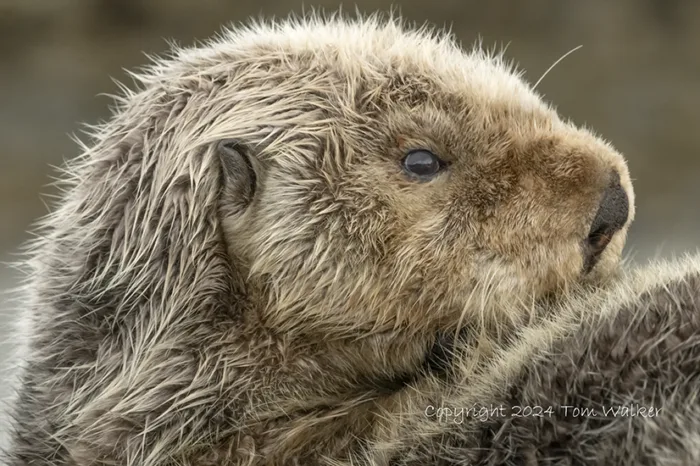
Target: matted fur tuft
(239, 271)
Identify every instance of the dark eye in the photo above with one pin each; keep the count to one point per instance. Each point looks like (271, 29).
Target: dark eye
(422, 163)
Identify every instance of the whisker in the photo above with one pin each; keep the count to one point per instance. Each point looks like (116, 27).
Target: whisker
(555, 64)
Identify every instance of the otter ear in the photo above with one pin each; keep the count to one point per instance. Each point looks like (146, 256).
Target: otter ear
(239, 177)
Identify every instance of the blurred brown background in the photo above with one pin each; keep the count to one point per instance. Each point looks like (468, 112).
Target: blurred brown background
(636, 81)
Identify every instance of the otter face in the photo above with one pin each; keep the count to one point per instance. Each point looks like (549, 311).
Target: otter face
(381, 179)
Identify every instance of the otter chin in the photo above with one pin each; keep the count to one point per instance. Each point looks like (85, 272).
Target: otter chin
(253, 256)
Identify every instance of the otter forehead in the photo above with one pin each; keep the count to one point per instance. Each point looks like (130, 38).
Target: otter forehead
(367, 52)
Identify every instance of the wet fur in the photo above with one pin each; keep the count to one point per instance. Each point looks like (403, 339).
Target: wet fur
(636, 343)
(268, 301)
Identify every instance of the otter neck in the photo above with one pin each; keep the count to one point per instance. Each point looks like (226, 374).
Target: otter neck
(380, 363)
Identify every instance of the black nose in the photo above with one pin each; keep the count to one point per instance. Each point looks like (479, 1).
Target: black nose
(611, 217)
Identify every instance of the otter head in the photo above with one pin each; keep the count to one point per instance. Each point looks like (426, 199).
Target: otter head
(364, 179)
(378, 178)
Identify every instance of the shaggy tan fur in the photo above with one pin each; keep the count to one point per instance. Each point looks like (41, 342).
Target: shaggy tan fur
(610, 378)
(240, 272)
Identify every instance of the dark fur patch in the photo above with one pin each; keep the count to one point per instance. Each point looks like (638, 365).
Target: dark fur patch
(646, 355)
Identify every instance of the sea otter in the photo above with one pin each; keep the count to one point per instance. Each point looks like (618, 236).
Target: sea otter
(252, 259)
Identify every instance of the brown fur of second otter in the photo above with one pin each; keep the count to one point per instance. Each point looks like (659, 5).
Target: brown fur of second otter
(610, 378)
(242, 271)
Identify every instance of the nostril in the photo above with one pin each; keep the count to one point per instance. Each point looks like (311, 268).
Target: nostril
(599, 239)
(595, 244)
(611, 217)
